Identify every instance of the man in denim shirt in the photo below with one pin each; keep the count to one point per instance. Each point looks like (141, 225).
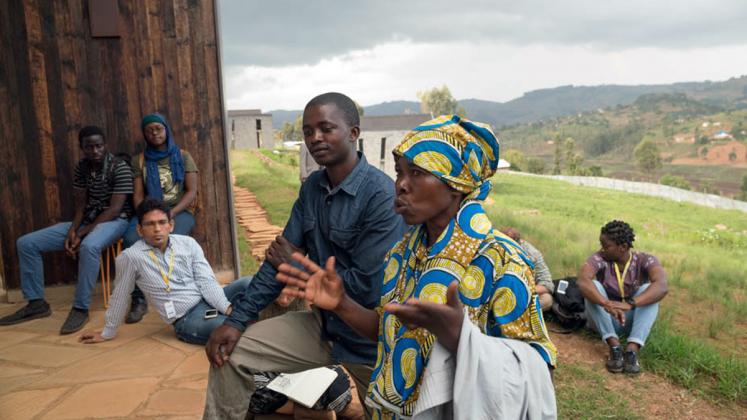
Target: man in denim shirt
(346, 212)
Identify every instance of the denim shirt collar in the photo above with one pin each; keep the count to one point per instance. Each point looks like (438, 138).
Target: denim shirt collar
(352, 182)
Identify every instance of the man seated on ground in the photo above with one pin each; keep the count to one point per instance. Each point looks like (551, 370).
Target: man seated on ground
(542, 277)
(175, 277)
(454, 291)
(101, 185)
(343, 211)
(622, 289)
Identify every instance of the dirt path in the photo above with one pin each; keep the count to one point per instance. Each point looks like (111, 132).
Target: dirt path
(648, 394)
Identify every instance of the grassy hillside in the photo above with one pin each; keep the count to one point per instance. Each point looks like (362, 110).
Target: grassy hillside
(698, 342)
(683, 129)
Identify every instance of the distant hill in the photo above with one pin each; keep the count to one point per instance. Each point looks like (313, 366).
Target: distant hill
(659, 117)
(393, 108)
(544, 104)
(281, 116)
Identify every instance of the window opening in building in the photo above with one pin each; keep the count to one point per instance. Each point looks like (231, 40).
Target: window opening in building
(382, 160)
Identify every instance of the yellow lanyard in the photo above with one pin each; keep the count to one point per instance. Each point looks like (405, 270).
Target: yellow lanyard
(164, 275)
(621, 279)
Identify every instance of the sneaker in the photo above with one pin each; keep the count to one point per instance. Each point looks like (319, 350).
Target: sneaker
(615, 362)
(76, 319)
(138, 309)
(33, 310)
(631, 365)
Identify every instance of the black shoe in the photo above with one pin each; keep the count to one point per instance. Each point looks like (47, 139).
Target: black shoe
(615, 362)
(33, 310)
(631, 365)
(76, 319)
(138, 308)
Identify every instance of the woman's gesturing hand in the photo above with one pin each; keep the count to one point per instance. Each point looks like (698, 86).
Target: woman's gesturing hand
(319, 286)
(443, 320)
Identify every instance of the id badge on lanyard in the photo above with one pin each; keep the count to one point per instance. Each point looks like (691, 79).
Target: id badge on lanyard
(621, 278)
(168, 306)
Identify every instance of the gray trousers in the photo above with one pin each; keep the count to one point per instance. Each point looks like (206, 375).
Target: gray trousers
(288, 343)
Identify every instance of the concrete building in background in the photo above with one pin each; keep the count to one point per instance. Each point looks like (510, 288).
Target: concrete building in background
(250, 129)
(380, 134)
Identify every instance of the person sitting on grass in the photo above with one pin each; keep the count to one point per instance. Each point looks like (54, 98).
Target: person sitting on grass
(622, 289)
(542, 277)
(175, 277)
(101, 184)
(454, 291)
(168, 173)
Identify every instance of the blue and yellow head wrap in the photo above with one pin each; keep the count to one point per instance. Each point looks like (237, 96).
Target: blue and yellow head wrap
(462, 153)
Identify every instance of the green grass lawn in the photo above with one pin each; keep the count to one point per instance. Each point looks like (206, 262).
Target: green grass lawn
(698, 342)
(703, 329)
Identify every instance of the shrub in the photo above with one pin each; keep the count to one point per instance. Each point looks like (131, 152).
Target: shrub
(675, 181)
(536, 165)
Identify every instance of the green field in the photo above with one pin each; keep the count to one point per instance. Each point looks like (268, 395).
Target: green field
(698, 342)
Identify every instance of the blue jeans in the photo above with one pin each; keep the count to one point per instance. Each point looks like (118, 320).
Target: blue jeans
(31, 246)
(183, 224)
(193, 328)
(638, 322)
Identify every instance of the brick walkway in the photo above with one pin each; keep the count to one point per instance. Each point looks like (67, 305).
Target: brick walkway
(253, 218)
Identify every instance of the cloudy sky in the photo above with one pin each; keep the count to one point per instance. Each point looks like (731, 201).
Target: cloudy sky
(278, 54)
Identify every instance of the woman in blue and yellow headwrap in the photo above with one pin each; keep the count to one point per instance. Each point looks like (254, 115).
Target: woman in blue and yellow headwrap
(450, 258)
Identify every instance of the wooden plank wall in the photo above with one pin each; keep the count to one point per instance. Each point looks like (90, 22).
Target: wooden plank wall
(55, 78)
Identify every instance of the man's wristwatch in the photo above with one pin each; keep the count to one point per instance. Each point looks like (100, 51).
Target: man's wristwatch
(630, 301)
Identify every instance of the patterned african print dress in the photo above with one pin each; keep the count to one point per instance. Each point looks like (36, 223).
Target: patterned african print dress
(496, 285)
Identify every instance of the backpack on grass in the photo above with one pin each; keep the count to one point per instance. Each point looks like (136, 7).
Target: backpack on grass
(568, 306)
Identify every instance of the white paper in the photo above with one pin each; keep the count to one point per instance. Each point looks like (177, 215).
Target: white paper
(304, 387)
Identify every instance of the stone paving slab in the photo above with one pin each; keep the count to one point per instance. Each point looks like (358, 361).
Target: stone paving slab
(104, 399)
(46, 355)
(8, 371)
(179, 401)
(27, 404)
(20, 382)
(11, 338)
(140, 358)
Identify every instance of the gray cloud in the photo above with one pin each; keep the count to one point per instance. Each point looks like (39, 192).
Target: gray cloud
(286, 32)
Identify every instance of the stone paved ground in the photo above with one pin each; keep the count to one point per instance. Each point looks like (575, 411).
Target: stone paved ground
(144, 372)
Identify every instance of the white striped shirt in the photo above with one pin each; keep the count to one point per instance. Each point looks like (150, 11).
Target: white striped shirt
(192, 280)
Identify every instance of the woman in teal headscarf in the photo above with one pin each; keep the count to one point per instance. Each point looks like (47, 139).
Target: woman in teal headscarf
(166, 172)
(451, 259)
